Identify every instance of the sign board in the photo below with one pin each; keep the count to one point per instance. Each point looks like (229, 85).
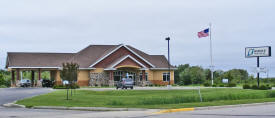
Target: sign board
(225, 81)
(264, 51)
(260, 70)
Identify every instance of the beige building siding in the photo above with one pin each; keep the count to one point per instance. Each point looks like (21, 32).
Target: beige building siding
(150, 75)
(83, 78)
(97, 70)
(157, 77)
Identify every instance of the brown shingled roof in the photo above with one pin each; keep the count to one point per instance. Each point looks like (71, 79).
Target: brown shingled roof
(84, 58)
(24, 59)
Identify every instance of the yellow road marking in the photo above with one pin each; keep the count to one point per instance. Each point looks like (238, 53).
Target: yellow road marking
(174, 110)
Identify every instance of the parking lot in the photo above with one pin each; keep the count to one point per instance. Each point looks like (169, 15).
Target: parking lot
(8, 95)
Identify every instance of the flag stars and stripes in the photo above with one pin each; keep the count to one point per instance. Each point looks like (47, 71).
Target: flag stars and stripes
(203, 33)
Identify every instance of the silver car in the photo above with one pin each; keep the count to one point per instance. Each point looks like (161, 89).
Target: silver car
(125, 83)
(25, 83)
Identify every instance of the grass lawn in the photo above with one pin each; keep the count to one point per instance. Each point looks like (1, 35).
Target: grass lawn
(151, 98)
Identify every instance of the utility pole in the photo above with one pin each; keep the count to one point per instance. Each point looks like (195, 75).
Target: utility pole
(168, 39)
(258, 73)
(211, 56)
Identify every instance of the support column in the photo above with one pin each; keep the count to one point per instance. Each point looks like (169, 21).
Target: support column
(17, 82)
(111, 78)
(52, 75)
(32, 78)
(143, 78)
(13, 84)
(39, 83)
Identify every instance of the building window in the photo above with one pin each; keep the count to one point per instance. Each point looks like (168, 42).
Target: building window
(118, 75)
(140, 77)
(166, 76)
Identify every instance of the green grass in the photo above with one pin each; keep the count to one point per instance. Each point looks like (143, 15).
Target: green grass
(151, 98)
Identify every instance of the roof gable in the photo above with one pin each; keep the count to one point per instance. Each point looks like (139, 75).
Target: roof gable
(124, 59)
(117, 48)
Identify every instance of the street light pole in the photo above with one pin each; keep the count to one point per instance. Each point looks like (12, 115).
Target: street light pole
(168, 39)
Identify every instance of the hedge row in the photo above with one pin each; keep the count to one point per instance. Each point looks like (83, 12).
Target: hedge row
(261, 87)
(220, 85)
(65, 86)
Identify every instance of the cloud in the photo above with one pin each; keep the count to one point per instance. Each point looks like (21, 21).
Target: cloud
(69, 26)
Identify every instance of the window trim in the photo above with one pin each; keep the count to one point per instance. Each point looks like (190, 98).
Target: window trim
(165, 76)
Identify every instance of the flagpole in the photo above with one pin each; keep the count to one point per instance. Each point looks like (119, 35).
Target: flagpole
(211, 56)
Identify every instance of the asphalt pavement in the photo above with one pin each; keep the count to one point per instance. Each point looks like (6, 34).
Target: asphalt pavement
(8, 95)
(258, 111)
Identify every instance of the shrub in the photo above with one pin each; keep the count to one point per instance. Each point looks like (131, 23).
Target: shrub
(246, 86)
(115, 102)
(3, 86)
(214, 85)
(59, 87)
(232, 85)
(206, 84)
(254, 87)
(221, 85)
(73, 86)
(264, 87)
(270, 94)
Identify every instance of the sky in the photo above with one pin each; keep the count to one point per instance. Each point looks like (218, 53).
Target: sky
(71, 25)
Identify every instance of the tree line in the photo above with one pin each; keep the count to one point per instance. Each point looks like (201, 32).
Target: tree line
(187, 75)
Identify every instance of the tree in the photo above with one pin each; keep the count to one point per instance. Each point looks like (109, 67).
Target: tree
(69, 72)
(180, 69)
(192, 75)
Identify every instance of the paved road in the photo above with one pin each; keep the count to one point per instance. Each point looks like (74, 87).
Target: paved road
(11, 94)
(262, 111)
(8, 95)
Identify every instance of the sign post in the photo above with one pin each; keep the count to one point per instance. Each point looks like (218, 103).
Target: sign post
(258, 52)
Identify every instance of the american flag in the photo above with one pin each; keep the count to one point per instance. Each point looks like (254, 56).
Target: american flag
(203, 33)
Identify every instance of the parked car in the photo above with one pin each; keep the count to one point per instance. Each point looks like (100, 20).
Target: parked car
(125, 83)
(47, 83)
(25, 83)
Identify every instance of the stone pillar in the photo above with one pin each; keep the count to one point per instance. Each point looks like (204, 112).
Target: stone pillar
(32, 78)
(111, 78)
(57, 77)
(39, 83)
(17, 82)
(13, 84)
(143, 78)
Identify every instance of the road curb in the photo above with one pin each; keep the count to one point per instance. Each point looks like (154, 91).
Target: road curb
(211, 107)
(13, 105)
(89, 108)
(174, 110)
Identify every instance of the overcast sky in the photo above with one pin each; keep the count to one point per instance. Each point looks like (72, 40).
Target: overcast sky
(71, 25)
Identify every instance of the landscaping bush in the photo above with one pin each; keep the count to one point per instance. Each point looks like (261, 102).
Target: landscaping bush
(74, 86)
(264, 87)
(206, 84)
(115, 102)
(214, 85)
(59, 87)
(3, 86)
(232, 85)
(254, 87)
(270, 94)
(246, 86)
(221, 85)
